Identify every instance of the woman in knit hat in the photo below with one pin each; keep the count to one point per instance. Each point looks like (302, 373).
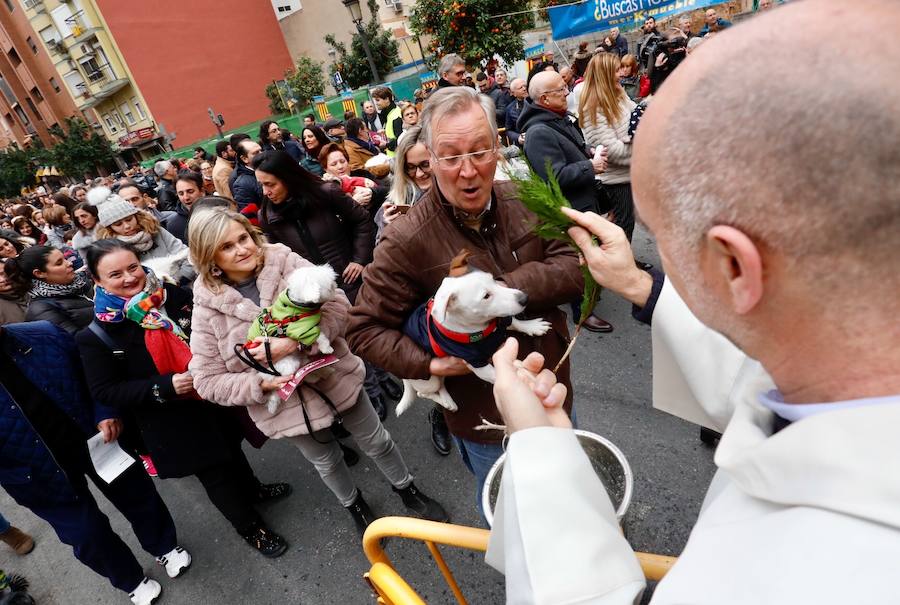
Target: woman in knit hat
(120, 220)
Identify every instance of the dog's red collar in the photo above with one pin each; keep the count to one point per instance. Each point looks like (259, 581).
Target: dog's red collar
(462, 337)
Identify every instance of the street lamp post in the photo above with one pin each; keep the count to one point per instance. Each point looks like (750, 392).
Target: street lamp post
(356, 15)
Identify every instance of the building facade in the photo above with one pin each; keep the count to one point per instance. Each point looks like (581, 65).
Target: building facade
(92, 70)
(33, 97)
(304, 26)
(188, 57)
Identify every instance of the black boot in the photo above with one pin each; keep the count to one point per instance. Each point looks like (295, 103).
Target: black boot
(361, 513)
(380, 408)
(268, 543)
(421, 504)
(440, 434)
(273, 491)
(391, 389)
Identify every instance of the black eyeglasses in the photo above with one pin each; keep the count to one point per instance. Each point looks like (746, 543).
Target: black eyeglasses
(425, 167)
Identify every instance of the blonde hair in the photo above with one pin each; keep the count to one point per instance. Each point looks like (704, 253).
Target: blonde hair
(54, 215)
(146, 221)
(602, 93)
(206, 230)
(630, 62)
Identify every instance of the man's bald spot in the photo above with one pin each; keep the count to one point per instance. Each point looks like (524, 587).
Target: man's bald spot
(542, 82)
(784, 141)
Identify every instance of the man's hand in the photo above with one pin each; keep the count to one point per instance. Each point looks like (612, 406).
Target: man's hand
(448, 366)
(280, 347)
(600, 163)
(527, 395)
(352, 273)
(111, 429)
(610, 261)
(183, 383)
(661, 59)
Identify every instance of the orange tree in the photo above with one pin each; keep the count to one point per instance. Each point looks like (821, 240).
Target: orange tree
(471, 29)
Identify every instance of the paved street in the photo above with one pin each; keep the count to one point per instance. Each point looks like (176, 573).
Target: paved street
(325, 562)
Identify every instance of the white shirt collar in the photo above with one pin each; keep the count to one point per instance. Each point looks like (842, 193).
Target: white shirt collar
(773, 401)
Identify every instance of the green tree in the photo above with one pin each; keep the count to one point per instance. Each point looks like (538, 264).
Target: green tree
(17, 168)
(80, 149)
(470, 29)
(306, 80)
(301, 84)
(353, 64)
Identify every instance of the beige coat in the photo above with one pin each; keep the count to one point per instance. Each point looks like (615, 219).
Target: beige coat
(221, 173)
(221, 320)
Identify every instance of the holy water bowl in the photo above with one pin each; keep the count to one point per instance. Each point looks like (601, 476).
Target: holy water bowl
(608, 461)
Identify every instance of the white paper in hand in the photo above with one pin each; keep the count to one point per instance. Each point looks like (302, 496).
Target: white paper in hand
(109, 459)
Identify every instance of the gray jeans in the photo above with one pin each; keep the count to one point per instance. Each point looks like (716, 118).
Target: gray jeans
(373, 439)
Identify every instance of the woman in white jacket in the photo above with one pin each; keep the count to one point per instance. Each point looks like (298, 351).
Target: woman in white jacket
(605, 110)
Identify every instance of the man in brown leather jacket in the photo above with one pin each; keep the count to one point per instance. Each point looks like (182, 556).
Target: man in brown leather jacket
(465, 209)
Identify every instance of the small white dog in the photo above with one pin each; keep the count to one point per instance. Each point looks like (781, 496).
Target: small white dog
(167, 267)
(296, 314)
(467, 318)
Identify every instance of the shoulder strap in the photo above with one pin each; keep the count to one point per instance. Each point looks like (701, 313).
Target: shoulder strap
(117, 351)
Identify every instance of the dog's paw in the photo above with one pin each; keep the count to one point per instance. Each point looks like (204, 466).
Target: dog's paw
(531, 327)
(324, 344)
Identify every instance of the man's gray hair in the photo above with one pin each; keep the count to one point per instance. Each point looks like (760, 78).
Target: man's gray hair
(452, 100)
(449, 62)
(161, 167)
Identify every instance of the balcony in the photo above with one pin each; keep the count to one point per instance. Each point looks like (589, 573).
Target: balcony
(34, 7)
(81, 32)
(101, 84)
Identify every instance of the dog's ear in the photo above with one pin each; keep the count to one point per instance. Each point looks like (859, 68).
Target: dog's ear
(459, 266)
(443, 301)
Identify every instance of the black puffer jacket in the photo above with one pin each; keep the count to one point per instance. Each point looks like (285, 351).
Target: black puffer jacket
(166, 196)
(550, 136)
(177, 224)
(343, 231)
(71, 313)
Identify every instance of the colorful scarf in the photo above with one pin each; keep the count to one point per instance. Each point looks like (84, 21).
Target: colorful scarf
(143, 308)
(81, 286)
(166, 342)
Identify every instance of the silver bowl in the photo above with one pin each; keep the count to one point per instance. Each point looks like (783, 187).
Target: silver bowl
(608, 461)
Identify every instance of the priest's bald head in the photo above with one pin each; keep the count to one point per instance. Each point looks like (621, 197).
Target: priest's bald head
(768, 168)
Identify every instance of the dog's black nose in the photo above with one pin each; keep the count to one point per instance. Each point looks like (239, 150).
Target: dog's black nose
(522, 298)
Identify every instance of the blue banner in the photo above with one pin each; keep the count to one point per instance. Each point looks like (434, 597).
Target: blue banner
(598, 15)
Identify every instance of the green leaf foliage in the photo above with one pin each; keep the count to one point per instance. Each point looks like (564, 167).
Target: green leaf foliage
(470, 29)
(353, 64)
(545, 199)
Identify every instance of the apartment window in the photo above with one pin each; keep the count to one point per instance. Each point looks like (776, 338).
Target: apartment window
(36, 93)
(109, 123)
(140, 110)
(54, 84)
(9, 5)
(284, 9)
(31, 45)
(7, 92)
(14, 57)
(34, 108)
(75, 82)
(129, 116)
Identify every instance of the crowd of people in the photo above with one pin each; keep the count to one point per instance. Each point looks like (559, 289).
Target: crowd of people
(125, 302)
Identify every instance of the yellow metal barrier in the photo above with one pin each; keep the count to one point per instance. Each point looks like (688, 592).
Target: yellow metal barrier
(390, 587)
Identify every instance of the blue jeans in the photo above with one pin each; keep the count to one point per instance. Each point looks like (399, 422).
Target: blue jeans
(4, 524)
(480, 457)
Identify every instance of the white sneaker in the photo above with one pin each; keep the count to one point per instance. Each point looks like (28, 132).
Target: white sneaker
(146, 592)
(175, 561)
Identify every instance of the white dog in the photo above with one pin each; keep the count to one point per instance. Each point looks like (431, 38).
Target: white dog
(167, 267)
(467, 318)
(296, 314)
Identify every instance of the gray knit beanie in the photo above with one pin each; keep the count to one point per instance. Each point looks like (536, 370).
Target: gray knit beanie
(111, 208)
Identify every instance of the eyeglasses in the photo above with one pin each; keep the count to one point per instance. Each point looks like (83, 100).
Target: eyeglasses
(477, 157)
(425, 167)
(555, 90)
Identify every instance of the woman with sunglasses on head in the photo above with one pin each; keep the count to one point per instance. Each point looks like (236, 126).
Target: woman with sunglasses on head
(412, 178)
